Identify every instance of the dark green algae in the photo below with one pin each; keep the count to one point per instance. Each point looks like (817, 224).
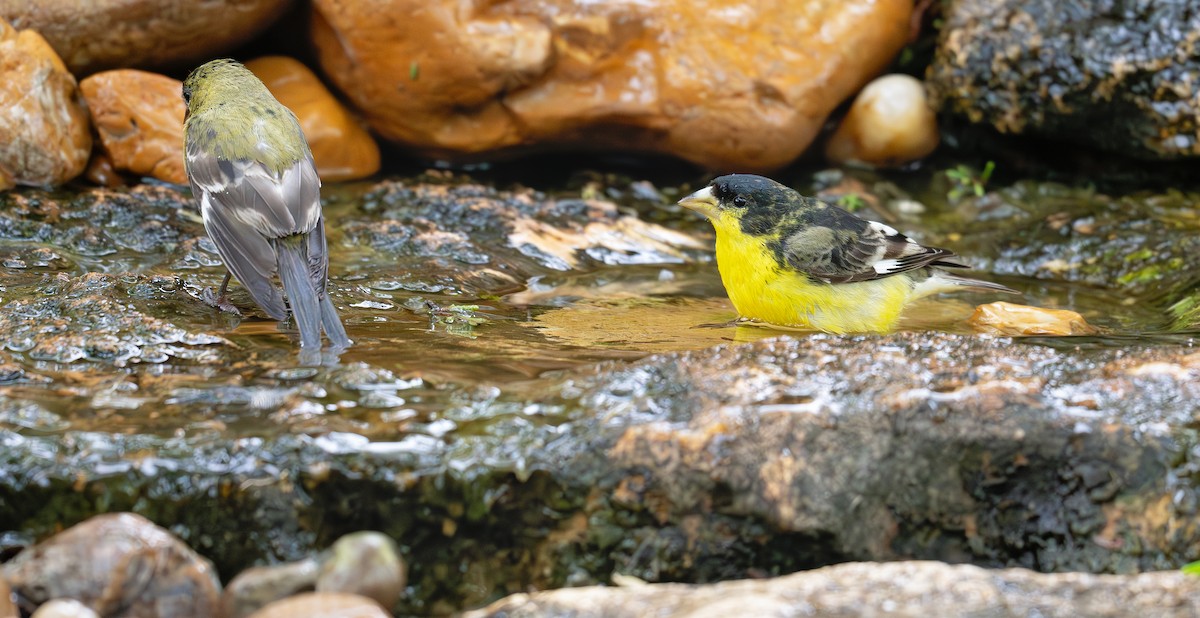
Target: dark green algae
(493, 454)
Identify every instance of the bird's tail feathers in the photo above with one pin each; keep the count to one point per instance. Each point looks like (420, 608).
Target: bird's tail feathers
(333, 324)
(939, 281)
(301, 296)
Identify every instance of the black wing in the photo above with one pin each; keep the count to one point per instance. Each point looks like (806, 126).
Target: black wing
(838, 247)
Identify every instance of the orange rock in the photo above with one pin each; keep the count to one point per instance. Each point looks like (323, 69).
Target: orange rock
(100, 171)
(1003, 318)
(340, 145)
(728, 84)
(44, 136)
(890, 123)
(325, 604)
(139, 117)
(107, 34)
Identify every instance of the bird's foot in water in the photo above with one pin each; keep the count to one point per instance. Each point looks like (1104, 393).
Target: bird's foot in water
(220, 302)
(738, 321)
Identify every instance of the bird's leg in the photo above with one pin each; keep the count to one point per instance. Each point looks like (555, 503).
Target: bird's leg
(220, 302)
(734, 322)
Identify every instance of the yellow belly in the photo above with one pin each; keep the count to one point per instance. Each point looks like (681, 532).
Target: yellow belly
(761, 290)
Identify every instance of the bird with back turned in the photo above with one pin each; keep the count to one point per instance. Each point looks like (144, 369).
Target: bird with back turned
(252, 172)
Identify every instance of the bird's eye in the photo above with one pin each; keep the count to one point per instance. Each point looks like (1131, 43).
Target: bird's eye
(739, 201)
(187, 95)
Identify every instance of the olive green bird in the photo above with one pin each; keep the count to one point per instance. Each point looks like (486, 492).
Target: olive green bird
(791, 260)
(260, 197)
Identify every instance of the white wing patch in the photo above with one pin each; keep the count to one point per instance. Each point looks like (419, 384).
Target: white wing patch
(884, 229)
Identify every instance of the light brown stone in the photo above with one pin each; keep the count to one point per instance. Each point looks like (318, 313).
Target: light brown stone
(107, 34)
(894, 589)
(728, 84)
(341, 147)
(889, 124)
(324, 604)
(44, 137)
(139, 118)
(1001, 318)
(117, 564)
(64, 608)
(7, 609)
(366, 563)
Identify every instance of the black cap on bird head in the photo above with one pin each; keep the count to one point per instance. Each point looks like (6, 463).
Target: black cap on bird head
(754, 200)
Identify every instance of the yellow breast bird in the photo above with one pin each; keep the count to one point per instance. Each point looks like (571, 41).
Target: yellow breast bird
(791, 260)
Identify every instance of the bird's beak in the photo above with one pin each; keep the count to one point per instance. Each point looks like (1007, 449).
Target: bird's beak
(703, 202)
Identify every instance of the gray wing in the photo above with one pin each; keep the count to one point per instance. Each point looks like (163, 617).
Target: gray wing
(246, 254)
(852, 249)
(244, 205)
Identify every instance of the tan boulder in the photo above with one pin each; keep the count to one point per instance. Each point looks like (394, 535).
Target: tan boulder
(44, 136)
(324, 604)
(727, 84)
(139, 118)
(106, 34)
(341, 147)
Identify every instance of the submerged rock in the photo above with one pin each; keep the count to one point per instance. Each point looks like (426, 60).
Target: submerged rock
(117, 565)
(468, 237)
(724, 85)
(94, 318)
(1121, 76)
(902, 589)
(1001, 318)
(44, 133)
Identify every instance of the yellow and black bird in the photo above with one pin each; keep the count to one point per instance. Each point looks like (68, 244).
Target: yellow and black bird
(260, 197)
(791, 260)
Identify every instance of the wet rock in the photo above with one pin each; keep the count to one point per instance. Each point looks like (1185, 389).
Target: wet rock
(1001, 318)
(506, 236)
(889, 124)
(44, 135)
(906, 589)
(95, 318)
(1133, 242)
(64, 608)
(1121, 76)
(341, 147)
(148, 220)
(464, 80)
(109, 34)
(117, 565)
(723, 463)
(366, 564)
(331, 604)
(139, 117)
